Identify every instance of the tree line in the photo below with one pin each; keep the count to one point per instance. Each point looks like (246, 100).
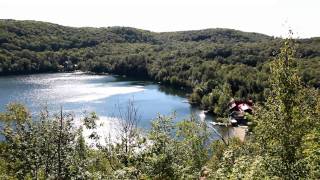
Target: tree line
(204, 61)
(283, 143)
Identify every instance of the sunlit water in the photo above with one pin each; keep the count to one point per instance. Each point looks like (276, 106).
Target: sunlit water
(103, 94)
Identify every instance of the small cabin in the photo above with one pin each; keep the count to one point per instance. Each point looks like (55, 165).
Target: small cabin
(238, 110)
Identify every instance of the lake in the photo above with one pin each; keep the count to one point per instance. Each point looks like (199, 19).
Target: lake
(103, 94)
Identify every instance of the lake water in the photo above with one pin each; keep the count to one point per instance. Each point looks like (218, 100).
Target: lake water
(103, 94)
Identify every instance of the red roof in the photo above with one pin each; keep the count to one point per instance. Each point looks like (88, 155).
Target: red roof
(240, 105)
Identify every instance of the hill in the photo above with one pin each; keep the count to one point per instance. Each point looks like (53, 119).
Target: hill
(202, 60)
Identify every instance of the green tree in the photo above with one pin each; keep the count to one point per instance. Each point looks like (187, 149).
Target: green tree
(193, 147)
(49, 147)
(220, 98)
(160, 161)
(286, 118)
(125, 154)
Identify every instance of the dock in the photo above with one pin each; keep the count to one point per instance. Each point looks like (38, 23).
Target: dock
(238, 131)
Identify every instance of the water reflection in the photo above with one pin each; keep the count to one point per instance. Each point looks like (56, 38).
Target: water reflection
(78, 92)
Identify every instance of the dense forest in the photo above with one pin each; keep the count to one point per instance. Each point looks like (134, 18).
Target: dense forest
(214, 64)
(283, 144)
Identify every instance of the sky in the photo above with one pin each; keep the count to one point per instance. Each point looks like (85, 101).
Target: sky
(271, 17)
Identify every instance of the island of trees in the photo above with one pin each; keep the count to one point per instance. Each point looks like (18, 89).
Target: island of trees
(281, 76)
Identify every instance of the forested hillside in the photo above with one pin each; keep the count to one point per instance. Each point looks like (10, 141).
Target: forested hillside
(283, 142)
(213, 63)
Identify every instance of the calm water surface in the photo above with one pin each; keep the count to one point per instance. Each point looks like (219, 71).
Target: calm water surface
(79, 92)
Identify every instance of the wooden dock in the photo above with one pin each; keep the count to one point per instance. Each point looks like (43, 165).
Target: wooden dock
(238, 131)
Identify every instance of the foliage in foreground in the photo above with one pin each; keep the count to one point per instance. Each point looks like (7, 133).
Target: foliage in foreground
(47, 148)
(284, 143)
(52, 147)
